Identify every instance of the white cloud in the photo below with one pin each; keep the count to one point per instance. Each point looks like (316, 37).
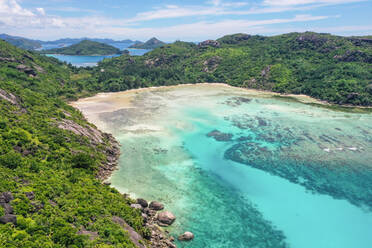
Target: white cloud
(39, 24)
(304, 2)
(41, 11)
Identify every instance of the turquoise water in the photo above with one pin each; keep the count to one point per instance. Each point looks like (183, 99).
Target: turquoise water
(84, 61)
(242, 169)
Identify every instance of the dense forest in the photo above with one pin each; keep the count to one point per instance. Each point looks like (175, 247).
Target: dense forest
(332, 68)
(49, 160)
(85, 47)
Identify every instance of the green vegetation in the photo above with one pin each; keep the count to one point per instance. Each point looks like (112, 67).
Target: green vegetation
(51, 171)
(85, 47)
(332, 68)
(21, 42)
(150, 44)
(50, 168)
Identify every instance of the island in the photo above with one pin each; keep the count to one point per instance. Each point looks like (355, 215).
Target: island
(150, 44)
(85, 47)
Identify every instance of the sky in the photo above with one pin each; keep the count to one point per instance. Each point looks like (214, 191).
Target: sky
(187, 20)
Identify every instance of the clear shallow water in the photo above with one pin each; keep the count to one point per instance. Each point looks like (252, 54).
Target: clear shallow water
(276, 174)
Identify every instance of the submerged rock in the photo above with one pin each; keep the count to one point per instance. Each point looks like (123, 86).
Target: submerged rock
(154, 205)
(187, 236)
(166, 218)
(220, 136)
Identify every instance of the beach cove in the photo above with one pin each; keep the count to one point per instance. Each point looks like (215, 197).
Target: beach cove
(243, 168)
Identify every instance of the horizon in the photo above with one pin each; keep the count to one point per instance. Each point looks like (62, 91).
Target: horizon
(169, 42)
(175, 20)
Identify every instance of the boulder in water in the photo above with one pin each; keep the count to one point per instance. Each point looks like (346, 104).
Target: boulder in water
(187, 236)
(142, 202)
(154, 205)
(166, 218)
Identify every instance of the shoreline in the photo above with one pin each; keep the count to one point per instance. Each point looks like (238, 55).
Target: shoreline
(301, 98)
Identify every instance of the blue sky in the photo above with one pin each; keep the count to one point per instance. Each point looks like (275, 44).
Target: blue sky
(181, 20)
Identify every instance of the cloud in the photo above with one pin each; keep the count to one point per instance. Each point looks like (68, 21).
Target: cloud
(78, 27)
(220, 8)
(37, 23)
(41, 11)
(305, 2)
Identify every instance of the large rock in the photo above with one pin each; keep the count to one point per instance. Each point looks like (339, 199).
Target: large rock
(6, 197)
(8, 218)
(187, 236)
(133, 235)
(8, 209)
(142, 202)
(166, 218)
(156, 206)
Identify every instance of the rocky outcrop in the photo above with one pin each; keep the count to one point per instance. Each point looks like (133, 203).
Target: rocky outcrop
(187, 236)
(161, 60)
(91, 133)
(158, 238)
(30, 195)
(354, 56)
(209, 43)
(134, 236)
(7, 59)
(266, 72)
(9, 97)
(142, 202)
(9, 217)
(311, 40)
(136, 206)
(90, 234)
(210, 65)
(26, 69)
(165, 218)
(112, 155)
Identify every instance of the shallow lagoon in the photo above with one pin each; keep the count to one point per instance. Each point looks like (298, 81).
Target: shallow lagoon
(241, 168)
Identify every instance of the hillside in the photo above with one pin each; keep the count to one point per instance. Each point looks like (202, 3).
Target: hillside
(85, 47)
(50, 158)
(21, 42)
(150, 44)
(331, 68)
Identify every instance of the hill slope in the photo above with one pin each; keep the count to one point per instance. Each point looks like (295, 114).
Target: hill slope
(150, 44)
(21, 42)
(49, 160)
(85, 47)
(332, 68)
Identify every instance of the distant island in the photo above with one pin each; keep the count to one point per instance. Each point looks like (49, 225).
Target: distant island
(150, 44)
(85, 47)
(30, 44)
